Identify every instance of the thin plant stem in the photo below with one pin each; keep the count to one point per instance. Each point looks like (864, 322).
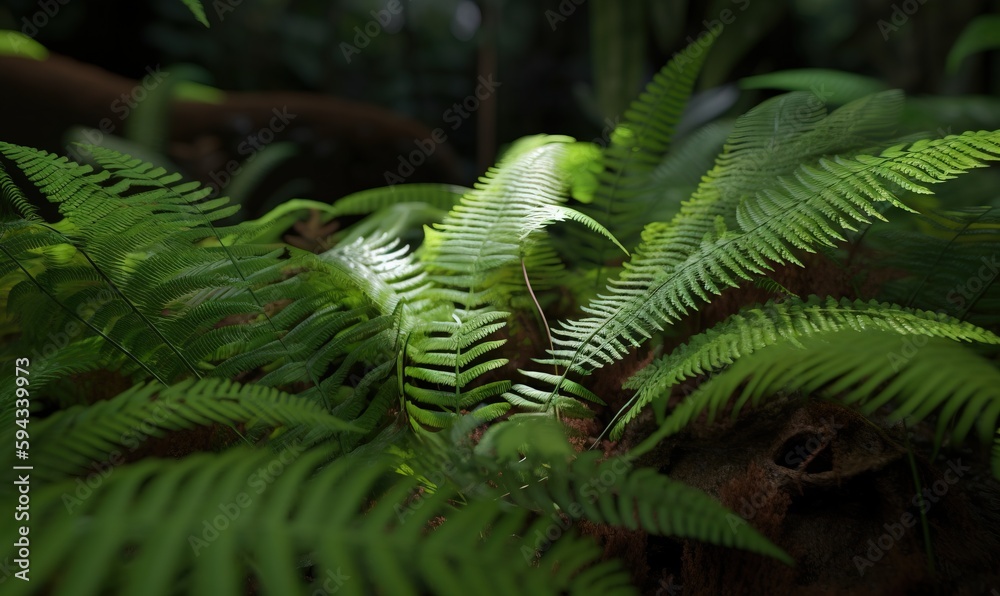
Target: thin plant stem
(541, 313)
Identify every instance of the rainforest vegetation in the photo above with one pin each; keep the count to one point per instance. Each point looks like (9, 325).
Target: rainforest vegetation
(475, 297)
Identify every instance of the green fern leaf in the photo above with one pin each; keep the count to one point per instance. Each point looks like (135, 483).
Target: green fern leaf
(835, 86)
(292, 521)
(636, 146)
(947, 262)
(798, 212)
(937, 376)
(71, 440)
(636, 498)
(789, 322)
(198, 10)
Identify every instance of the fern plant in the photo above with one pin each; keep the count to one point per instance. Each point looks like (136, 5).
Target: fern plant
(325, 408)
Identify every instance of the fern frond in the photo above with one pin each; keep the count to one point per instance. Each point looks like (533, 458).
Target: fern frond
(23, 282)
(533, 466)
(476, 258)
(635, 498)
(382, 270)
(677, 177)
(637, 145)
(289, 522)
(71, 440)
(948, 262)
(444, 358)
(481, 243)
(390, 209)
(362, 298)
(76, 357)
(772, 324)
(936, 375)
(837, 87)
(441, 196)
(12, 199)
(662, 283)
(197, 10)
(132, 224)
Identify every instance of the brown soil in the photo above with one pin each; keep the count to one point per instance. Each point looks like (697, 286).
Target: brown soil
(837, 493)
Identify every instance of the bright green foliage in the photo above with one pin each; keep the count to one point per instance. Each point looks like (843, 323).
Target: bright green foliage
(478, 256)
(198, 10)
(560, 487)
(67, 442)
(274, 518)
(869, 369)
(614, 492)
(132, 242)
(624, 194)
(700, 253)
(481, 244)
(783, 323)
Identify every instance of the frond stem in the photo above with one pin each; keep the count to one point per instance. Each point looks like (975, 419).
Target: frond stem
(541, 313)
(90, 325)
(130, 304)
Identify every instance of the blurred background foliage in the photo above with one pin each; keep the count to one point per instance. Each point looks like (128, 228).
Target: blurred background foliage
(564, 66)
